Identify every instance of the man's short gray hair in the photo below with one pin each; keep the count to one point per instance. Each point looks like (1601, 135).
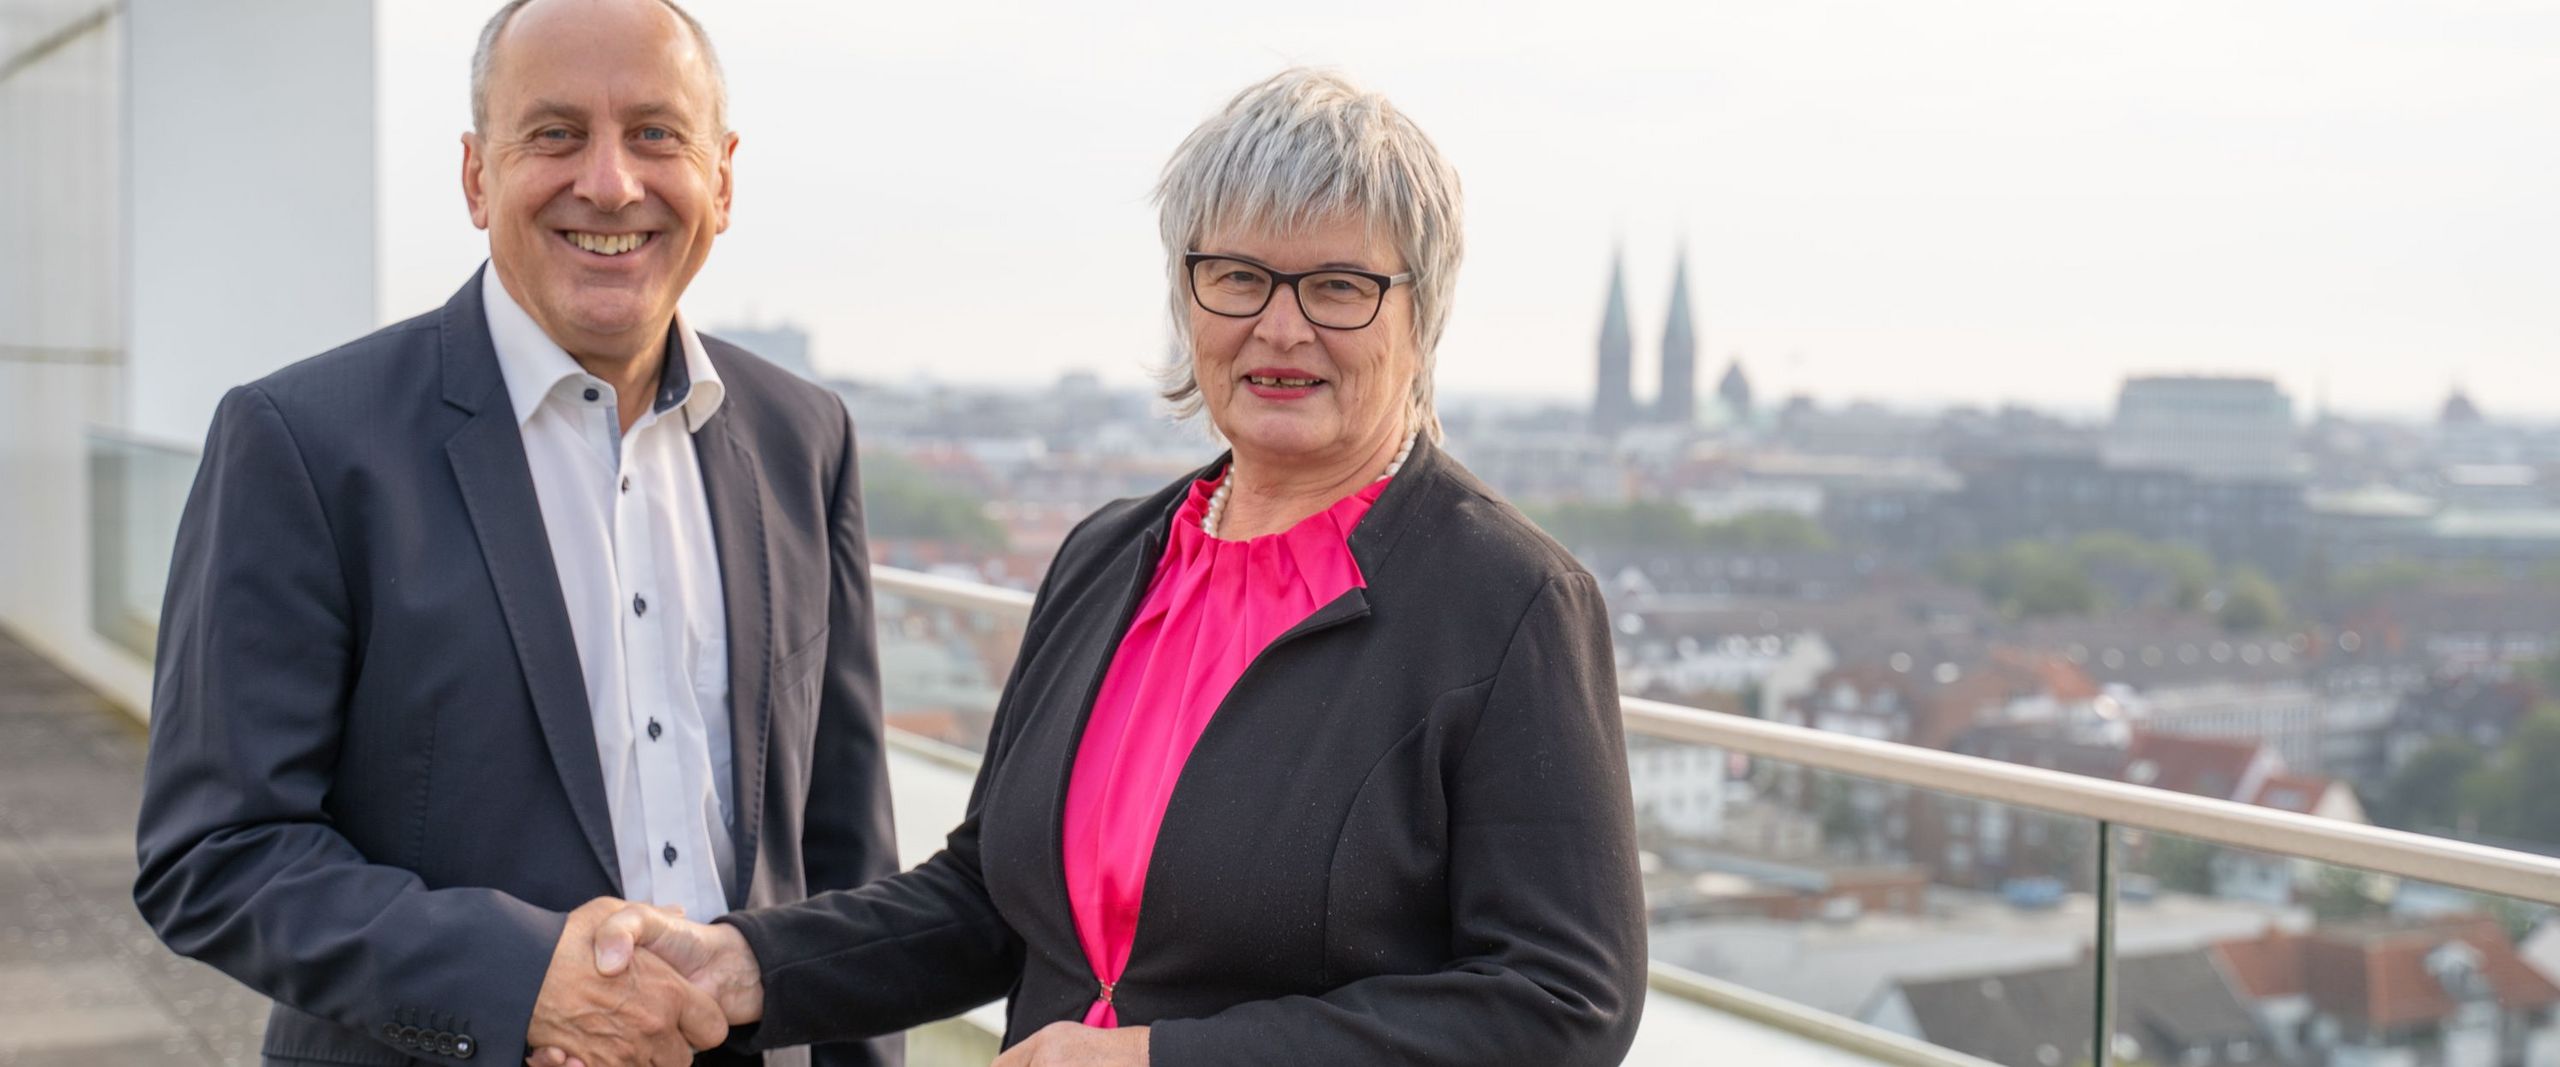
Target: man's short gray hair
(1303, 146)
(483, 57)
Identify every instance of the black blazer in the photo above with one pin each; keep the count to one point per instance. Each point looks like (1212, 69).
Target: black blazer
(372, 791)
(1406, 836)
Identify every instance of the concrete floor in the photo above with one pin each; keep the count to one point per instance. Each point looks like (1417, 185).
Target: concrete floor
(82, 980)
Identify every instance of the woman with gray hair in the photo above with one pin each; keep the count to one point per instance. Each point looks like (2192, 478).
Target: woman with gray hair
(1312, 756)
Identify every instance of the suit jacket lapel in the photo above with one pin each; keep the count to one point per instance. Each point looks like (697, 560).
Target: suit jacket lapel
(735, 491)
(497, 488)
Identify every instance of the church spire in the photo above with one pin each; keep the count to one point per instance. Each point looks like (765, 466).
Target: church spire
(1615, 405)
(1678, 403)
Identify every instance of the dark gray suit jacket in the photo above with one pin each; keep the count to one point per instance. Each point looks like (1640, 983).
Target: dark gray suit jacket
(373, 790)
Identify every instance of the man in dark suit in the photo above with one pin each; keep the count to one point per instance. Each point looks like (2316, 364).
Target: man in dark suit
(534, 600)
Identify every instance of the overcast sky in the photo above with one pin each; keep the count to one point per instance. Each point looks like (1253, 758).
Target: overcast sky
(1910, 202)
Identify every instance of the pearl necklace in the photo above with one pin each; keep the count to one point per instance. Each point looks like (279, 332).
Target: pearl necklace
(1218, 500)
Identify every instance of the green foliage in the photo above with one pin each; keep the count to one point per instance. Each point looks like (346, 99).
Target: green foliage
(2453, 785)
(1767, 531)
(2250, 603)
(1654, 524)
(2427, 791)
(2337, 894)
(2188, 571)
(2181, 863)
(2029, 579)
(2514, 799)
(901, 502)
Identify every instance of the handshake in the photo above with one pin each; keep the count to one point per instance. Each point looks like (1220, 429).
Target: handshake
(638, 984)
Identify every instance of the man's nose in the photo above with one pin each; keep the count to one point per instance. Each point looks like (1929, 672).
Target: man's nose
(608, 181)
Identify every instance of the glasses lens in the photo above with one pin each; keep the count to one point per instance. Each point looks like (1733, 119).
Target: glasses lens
(1230, 286)
(1342, 301)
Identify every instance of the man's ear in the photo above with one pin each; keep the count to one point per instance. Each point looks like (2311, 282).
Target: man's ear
(475, 172)
(726, 182)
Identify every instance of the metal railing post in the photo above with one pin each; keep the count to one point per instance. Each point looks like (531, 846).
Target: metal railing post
(2103, 1013)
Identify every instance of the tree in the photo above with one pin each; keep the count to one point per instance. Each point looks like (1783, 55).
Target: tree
(1767, 531)
(2427, 791)
(2514, 798)
(2181, 863)
(2032, 578)
(1637, 524)
(901, 502)
(2183, 570)
(2250, 602)
(2341, 893)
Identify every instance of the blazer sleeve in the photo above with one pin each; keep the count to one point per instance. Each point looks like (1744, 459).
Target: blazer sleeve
(239, 865)
(848, 837)
(917, 946)
(1546, 908)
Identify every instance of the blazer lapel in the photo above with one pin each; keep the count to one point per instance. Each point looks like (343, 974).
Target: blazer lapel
(497, 488)
(735, 491)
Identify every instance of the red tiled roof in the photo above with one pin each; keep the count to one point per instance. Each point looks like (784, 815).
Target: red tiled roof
(2378, 975)
(2270, 966)
(2293, 792)
(2203, 766)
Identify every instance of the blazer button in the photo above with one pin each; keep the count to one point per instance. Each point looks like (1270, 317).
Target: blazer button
(463, 1047)
(409, 1036)
(391, 1032)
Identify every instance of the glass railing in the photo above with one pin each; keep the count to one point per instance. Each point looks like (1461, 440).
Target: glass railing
(1894, 904)
(137, 488)
(1819, 898)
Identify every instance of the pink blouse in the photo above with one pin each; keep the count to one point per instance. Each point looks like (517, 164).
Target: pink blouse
(1210, 609)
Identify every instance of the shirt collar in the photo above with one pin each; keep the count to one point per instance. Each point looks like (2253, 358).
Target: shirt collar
(535, 367)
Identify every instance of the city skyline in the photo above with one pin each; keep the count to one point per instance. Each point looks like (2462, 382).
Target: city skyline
(1913, 207)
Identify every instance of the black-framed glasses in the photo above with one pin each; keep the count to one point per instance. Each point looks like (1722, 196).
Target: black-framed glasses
(1336, 298)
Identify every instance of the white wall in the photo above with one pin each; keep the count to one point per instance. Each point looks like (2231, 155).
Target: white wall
(61, 324)
(253, 195)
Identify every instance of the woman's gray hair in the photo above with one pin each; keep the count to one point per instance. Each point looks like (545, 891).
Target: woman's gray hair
(1303, 146)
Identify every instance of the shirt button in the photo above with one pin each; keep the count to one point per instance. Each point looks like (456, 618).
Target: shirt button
(626, 483)
(653, 729)
(670, 854)
(592, 394)
(639, 605)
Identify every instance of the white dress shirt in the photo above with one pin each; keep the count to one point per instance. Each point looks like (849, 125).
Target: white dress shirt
(630, 533)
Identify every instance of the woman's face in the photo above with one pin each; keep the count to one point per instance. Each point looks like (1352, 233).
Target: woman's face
(1287, 392)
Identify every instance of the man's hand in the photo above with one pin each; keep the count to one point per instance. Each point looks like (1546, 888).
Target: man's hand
(714, 960)
(1077, 1045)
(642, 1013)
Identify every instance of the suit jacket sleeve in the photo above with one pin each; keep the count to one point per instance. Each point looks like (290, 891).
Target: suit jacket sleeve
(1546, 910)
(849, 837)
(239, 865)
(908, 949)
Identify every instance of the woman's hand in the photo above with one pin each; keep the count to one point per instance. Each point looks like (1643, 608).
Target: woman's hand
(1077, 1045)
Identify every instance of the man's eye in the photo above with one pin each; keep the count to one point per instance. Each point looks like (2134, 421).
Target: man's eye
(657, 133)
(554, 134)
